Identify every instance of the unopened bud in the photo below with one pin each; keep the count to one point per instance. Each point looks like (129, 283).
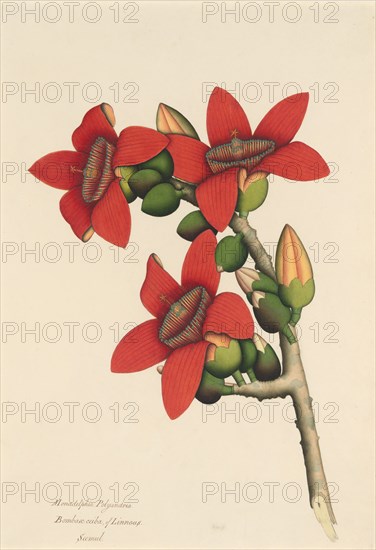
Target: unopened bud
(250, 280)
(267, 366)
(271, 314)
(170, 121)
(294, 272)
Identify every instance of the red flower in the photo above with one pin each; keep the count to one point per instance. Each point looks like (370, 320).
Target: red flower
(268, 149)
(94, 201)
(183, 315)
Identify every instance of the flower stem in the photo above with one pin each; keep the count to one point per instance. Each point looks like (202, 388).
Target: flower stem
(296, 313)
(238, 377)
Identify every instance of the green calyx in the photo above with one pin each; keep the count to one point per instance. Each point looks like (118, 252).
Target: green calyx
(162, 163)
(297, 295)
(143, 181)
(265, 283)
(161, 200)
(267, 366)
(193, 225)
(231, 253)
(226, 360)
(211, 389)
(253, 197)
(271, 314)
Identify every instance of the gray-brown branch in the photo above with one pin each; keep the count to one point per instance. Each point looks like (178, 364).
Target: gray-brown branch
(292, 382)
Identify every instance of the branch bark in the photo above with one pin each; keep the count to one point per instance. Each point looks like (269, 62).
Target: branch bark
(292, 383)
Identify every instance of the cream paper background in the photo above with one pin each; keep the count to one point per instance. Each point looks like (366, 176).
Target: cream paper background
(170, 53)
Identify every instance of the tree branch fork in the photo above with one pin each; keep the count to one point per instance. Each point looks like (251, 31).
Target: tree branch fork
(291, 383)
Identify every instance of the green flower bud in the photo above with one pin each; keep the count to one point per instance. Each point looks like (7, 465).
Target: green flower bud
(163, 163)
(161, 200)
(294, 273)
(192, 225)
(252, 191)
(142, 181)
(231, 253)
(267, 366)
(271, 314)
(211, 389)
(226, 357)
(170, 121)
(250, 280)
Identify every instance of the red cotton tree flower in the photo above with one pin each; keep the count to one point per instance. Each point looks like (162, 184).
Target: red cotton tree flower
(95, 202)
(233, 145)
(185, 317)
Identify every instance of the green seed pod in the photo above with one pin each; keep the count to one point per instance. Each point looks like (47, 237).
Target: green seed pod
(249, 354)
(142, 181)
(128, 193)
(211, 389)
(231, 253)
(226, 360)
(163, 163)
(271, 314)
(253, 196)
(161, 200)
(267, 366)
(192, 225)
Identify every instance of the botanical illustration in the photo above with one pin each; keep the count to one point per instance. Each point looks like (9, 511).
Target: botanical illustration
(207, 339)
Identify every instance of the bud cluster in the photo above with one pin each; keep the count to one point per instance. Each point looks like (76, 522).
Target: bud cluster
(230, 357)
(277, 305)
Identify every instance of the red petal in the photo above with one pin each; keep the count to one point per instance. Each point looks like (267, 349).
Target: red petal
(62, 170)
(159, 290)
(189, 158)
(217, 197)
(181, 377)
(224, 117)
(76, 211)
(282, 122)
(137, 144)
(199, 267)
(139, 349)
(95, 124)
(111, 217)
(229, 314)
(295, 161)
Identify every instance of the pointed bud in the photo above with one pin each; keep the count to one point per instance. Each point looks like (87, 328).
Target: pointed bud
(162, 163)
(231, 253)
(294, 272)
(224, 356)
(250, 280)
(170, 121)
(193, 225)
(252, 191)
(271, 314)
(267, 366)
(161, 200)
